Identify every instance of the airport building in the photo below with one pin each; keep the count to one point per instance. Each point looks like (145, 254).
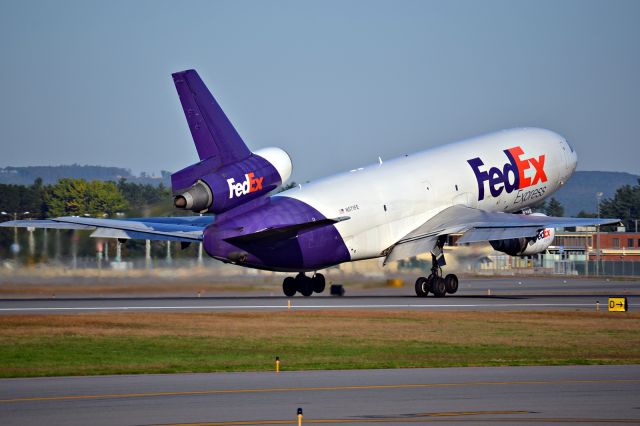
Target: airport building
(589, 252)
(608, 246)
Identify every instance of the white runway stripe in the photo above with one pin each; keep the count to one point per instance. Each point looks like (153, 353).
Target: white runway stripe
(285, 307)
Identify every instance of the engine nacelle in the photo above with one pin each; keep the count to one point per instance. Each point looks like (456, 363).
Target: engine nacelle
(526, 246)
(201, 189)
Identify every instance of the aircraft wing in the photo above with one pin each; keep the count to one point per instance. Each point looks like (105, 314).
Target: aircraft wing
(479, 225)
(185, 229)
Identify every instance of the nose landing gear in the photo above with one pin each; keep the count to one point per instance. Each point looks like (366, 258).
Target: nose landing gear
(303, 285)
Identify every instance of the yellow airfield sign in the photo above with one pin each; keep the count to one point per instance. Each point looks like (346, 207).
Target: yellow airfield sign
(617, 304)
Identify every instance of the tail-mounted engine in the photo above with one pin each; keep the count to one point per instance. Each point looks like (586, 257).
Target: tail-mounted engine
(228, 173)
(200, 188)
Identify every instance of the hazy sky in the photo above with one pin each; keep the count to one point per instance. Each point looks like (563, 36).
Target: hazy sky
(336, 84)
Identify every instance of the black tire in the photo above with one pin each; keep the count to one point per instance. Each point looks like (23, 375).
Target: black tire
(319, 283)
(430, 279)
(451, 283)
(289, 286)
(437, 287)
(305, 285)
(422, 287)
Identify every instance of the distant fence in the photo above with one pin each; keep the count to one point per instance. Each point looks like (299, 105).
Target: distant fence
(609, 268)
(490, 265)
(504, 265)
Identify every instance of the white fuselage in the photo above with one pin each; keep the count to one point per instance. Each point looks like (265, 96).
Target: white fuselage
(385, 201)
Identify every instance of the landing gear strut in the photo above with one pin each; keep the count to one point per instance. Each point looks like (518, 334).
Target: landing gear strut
(435, 283)
(306, 286)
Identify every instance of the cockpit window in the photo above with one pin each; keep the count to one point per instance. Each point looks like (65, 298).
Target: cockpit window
(569, 145)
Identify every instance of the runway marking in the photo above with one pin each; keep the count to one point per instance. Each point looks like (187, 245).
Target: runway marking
(433, 419)
(436, 417)
(372, 419)
(312, 389)
(293, 307)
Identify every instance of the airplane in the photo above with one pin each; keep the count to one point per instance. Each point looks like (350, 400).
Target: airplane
(482, 188)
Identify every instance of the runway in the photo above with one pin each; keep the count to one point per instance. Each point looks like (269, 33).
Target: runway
(511, 395)
(508, 395)
(475, 294)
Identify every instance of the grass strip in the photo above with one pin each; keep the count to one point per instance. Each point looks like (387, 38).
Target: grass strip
(128, 343)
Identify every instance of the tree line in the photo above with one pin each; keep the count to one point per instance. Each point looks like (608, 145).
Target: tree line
(552, 208)
(78, 197)
(624, 205)
(51, 174)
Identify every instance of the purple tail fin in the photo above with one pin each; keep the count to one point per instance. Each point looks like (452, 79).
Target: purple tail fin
(214, 135)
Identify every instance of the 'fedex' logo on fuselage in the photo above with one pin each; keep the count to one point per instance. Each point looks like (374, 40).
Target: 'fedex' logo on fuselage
(511, 176)
(250, 184)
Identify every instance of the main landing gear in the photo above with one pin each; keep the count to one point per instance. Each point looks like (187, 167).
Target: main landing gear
(437, 285)
(434, 283)
(303, 284)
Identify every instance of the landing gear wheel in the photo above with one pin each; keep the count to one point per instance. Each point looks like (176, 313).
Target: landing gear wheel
(451, 283)
(289, 286)
(438, 287)
(304, 284)
(319, 283)
(434, 283)
(422, 287)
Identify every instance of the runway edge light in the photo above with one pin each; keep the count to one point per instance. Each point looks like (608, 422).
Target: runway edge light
(618, 304)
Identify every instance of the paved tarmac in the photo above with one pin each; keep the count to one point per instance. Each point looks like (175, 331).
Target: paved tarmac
(511, 395)
(474, 294)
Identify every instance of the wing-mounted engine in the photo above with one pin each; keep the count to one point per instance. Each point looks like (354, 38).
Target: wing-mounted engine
(526, 246)
(201, 188)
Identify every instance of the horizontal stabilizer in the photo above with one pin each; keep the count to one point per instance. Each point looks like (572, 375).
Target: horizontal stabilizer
(121, 234)
(283, 232)
(42, 224)
(175, 231)
(185, 229)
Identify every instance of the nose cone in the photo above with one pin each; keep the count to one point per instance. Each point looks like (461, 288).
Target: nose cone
(570, 156)
(572, 159)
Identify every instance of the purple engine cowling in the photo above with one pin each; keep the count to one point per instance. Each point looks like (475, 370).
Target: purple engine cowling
(201, 188)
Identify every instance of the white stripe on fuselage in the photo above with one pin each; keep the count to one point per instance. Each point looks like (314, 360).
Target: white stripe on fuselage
(387, 201)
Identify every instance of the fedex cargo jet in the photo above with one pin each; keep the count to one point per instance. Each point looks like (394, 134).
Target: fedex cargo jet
(482, 188)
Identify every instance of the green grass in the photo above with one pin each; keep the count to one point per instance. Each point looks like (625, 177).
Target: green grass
(170, 343)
